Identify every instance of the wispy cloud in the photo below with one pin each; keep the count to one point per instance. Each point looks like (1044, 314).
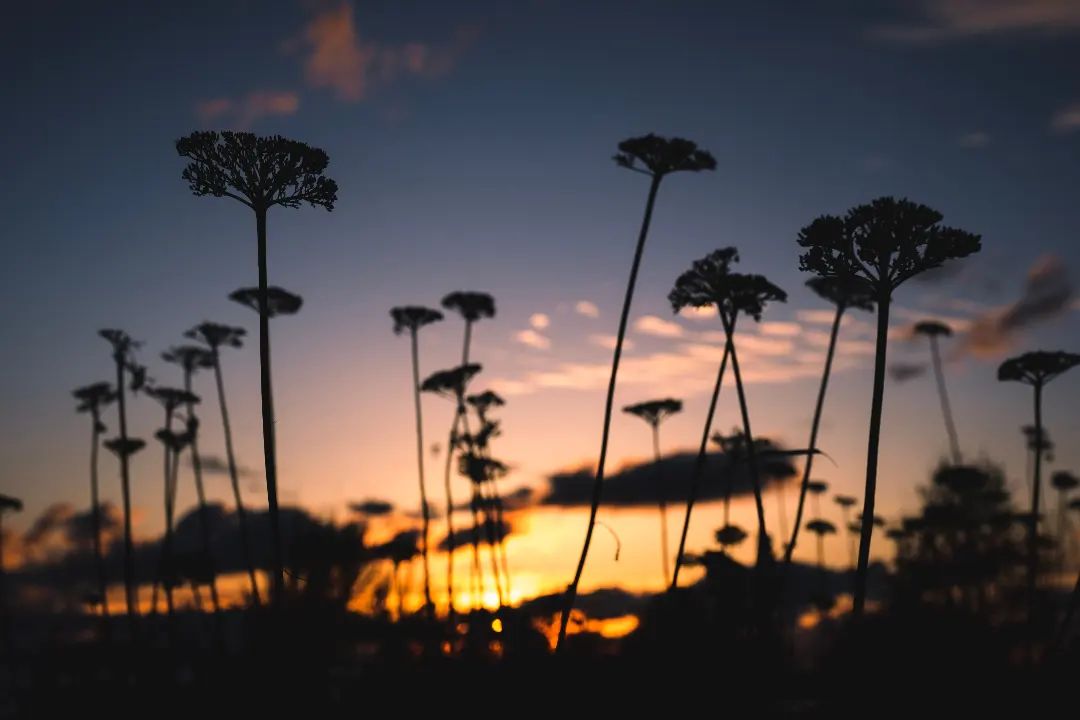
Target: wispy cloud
(1047, 294)
(336, 57)
(533, 339)
(586, 308)
(780, 329)
(608, 341)
(1067, 119)
(942, 20)
(243, 112)
(657, 326)
(707, 312)
(539, 321)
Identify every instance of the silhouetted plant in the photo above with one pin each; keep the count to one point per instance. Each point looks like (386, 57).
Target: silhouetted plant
(260, 172)
(483, 403)
(846, 502)
(842, 293)
(1064, 482)
(710, 282)
(730, 535)
(482, 471)
(656, 157)
(1036, 369)
(123, 349)
(191, 359)
(821, 528)
(653, 413)
(216, 336)
(171, 399)
(881, 245)
(411, 318)
(7, 504)
(451, 384)
(933, 330)
(92, 398)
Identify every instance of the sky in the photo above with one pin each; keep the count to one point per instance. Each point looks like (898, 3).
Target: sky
(471, 142)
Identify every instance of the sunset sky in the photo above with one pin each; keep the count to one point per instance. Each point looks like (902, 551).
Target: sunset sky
(471, 142)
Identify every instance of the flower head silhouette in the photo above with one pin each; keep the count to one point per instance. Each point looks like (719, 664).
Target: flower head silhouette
(880, 245)
(658, 156)
(654, 412)
(483, 402)
(450, 383)
(278, 300)
(933, 331)
(1036, 369)
(472, 306)
(655, 157)
(710, 282)
(413, 317)
(217, 335)
(730, 535)
(92, 399)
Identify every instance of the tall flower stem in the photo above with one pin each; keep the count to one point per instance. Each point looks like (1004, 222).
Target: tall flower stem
(877, 402)
(815, 425)
(429, 606)
(1033, 520)
(277, 581)
(699, 464)
(125, 483)
(234, 478)
(459, 413)
(663, 502)
(95, 519)
(571, 592)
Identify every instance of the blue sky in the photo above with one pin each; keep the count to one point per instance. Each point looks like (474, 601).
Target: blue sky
(471, 142)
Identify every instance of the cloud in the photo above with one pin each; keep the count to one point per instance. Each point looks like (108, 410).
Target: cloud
(217, 465)
(781, 329)
(657, 326)
(475, 533)
(974, 140)
(902, 372)
(608, 341)
(533, 339)
(245, 111)
(586, 308)
(645, 484)
(335, 57)
(1067, 119)
(539, 321)
(942, 20)
(708, 312)
(1048, 293)
(372, 508)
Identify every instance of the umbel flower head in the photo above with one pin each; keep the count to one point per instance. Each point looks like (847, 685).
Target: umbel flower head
(190, 357)
(1037, 368)
(124, 354)
(173, 440)
(849, 292)
(932, 328)
(1064, 481)
(413, 317)
(125, 447)
(10, 503)
(450, 383)
(730, 535)
(710, 282)
(481, 469)
(216, 335)
(93, 396)
(844, 501)
(472, 306)
(172, 398)
(484, 402)
(278, 300)
(655, 411)
(258, 171)
(884, 243)
(821, 527)
(817, 487)
(658, 156)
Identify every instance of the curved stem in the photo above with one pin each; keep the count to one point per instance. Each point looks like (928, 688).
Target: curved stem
(699, 466)
(1033, 521)
(815, 425)
(876, 404)
(598, 482)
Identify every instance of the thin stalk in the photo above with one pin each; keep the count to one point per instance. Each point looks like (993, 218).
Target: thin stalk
(234, 478)
(1033, 521)
(877, 402)
(277, 585)
(125, 482)
(815, 425)
(699, 465)
(95, 519)
(429, 606)
(663, 501)
(598, 483)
